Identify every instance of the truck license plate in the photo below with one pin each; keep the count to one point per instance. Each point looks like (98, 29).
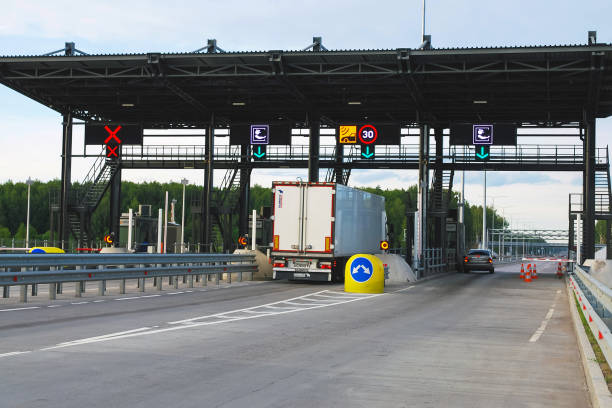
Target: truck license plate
(301, 269)
(301, 275)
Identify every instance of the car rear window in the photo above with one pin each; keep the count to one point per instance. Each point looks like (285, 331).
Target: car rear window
(479, 252)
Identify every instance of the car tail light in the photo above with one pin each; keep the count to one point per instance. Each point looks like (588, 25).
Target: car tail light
(465, 259)
(279, 264)
(490, 260)
(326, 266)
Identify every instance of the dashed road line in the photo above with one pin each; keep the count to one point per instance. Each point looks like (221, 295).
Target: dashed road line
(538, 333)
(14, 353)
(20, 308)
(403, 290)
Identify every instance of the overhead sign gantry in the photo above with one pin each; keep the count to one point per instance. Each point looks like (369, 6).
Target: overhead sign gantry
(542, 86)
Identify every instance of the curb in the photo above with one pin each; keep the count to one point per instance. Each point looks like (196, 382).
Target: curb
(598, 389)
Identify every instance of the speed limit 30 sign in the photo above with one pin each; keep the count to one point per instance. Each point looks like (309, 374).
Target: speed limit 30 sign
(367, 134)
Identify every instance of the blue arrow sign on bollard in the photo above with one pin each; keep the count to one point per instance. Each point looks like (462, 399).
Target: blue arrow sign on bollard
(361, 269)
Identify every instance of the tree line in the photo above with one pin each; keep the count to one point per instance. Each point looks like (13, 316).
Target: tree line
(13, 207)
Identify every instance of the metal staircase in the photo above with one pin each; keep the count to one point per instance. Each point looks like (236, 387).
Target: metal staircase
(442, 186)
(86, 198)
(330, 176)
(602, 189)
(225, 206)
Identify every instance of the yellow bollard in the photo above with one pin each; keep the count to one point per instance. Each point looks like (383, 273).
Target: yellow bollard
(364, 273)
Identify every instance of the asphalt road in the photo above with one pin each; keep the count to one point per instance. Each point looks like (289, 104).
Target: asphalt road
(464, 340)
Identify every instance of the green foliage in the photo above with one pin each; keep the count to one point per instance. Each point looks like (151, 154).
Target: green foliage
(600, 231)
(13, 207)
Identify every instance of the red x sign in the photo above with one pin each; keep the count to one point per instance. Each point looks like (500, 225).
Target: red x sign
(111, 151)
(112, 134)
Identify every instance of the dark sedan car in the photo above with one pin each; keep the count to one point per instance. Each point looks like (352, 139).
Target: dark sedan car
(478, 260)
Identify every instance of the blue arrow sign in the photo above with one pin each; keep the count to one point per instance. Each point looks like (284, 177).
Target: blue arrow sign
(361, 269)
(367, 154)
(259, 153)
(482, 154)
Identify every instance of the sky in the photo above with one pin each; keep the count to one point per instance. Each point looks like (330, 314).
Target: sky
(31, 133)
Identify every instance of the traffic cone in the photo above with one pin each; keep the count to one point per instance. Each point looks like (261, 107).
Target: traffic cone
(559, 272)
(528, 274)
(535, 272)
(522, 276)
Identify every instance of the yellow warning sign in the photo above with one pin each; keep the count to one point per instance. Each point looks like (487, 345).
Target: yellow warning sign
(348, 134)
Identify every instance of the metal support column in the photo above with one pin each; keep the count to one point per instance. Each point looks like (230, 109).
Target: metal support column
(570, 238)
(423, 186)
(245, 186)
(338, 170)
(313, 150)
(64, 225)
(209, 150)
(589, 188)
(115, 204)
(439, 239)
(608, 239)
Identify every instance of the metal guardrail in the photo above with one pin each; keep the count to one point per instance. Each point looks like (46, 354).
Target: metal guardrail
(595, 299)
(33, 269)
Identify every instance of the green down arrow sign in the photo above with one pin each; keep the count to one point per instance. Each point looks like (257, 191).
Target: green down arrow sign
(483, 154)
(367, 154)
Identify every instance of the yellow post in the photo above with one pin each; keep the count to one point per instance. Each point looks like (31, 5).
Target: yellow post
(364, 273)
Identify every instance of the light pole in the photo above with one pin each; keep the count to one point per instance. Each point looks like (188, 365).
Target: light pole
(184, 183)
(29, 182)
(484, 213)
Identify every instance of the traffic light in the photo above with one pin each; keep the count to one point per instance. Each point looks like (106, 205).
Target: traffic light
(482, 153)
(109, 238)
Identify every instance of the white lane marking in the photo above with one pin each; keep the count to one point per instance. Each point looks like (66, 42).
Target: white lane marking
(20, 308)
(222, 318)
(96, 338)
(150, 296)
(128, 298)
(256, 312)
(281, 304)
(174, 293)
(538, 333)
(78, 303)
(281, 307)
(54, 306)
(189, 291)
(402, 290)
(99, 301)
(331, 297)
(14, 353)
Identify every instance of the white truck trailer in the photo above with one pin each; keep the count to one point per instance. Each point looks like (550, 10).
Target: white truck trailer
(318, 226)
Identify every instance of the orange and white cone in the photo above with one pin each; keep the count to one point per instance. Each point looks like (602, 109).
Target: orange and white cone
(559, 271)
(535, 272)
(528, 274)
(522, 276)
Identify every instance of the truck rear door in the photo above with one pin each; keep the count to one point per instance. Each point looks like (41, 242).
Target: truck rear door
(318, 218)
(287, 217)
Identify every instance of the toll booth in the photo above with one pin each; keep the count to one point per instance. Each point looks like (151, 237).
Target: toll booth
(144, 231)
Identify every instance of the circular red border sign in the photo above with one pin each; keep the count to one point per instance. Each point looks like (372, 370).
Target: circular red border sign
(367, 127)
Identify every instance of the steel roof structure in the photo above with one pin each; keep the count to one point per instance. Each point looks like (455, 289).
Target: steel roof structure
(541, 85)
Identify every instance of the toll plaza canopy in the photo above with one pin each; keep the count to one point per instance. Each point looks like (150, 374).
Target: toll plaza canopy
(539, 85)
